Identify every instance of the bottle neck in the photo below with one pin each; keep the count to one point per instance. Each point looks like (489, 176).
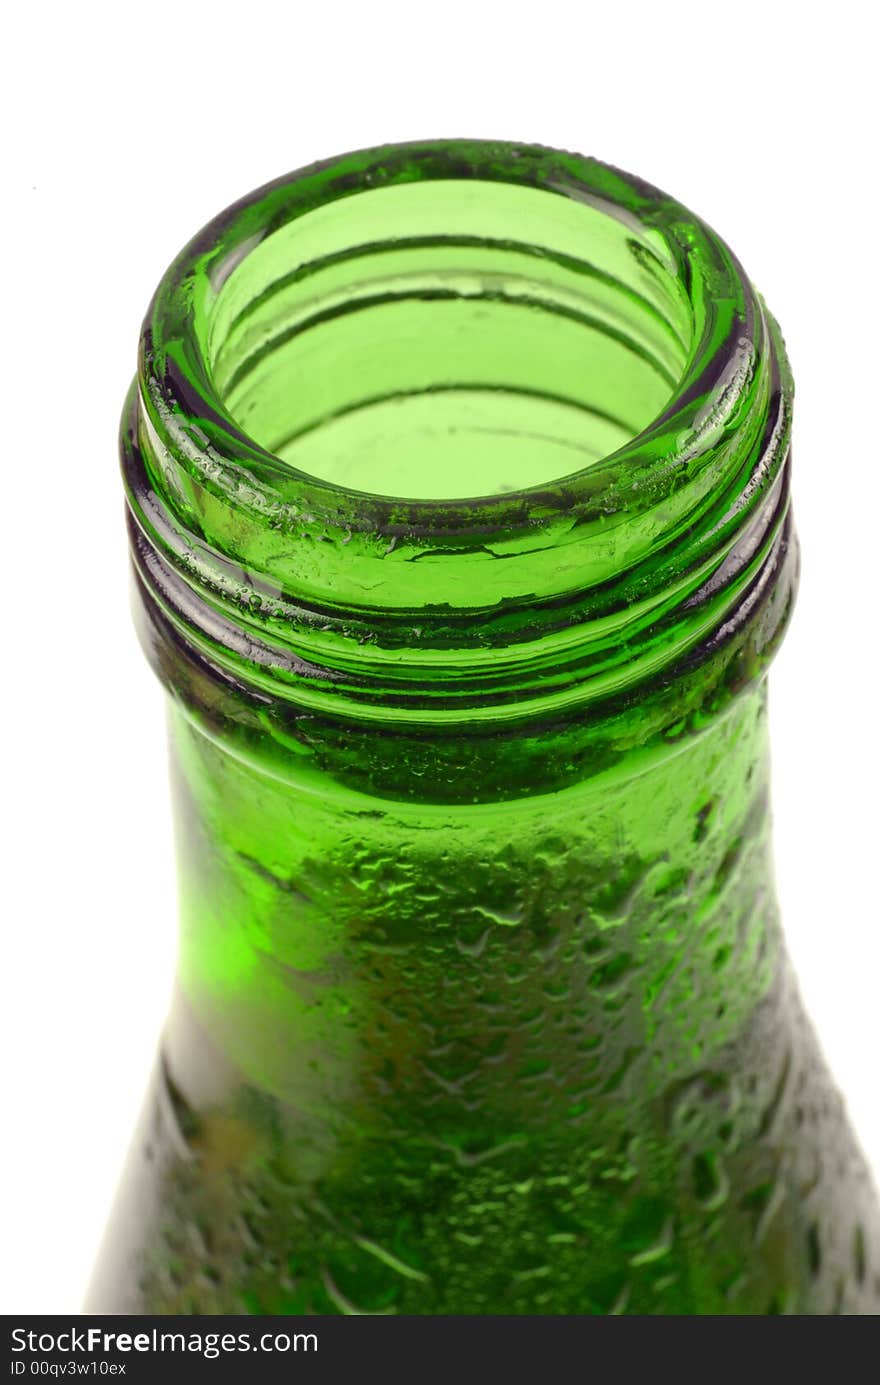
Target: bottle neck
(458, 497)
(349, 956)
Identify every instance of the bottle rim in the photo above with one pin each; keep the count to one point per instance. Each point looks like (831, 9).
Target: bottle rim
(696, 499)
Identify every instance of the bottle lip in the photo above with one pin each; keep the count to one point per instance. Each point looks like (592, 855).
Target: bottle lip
(696, 499)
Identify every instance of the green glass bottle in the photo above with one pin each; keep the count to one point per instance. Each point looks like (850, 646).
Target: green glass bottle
(458, 491)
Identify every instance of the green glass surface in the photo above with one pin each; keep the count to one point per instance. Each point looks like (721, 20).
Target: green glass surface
(458, 493)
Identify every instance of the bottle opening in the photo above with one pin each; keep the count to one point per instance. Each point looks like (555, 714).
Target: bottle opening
(450, 339)
(461, 434)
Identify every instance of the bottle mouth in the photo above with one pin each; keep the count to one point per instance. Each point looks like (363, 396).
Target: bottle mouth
(451, 339)
(467, 429)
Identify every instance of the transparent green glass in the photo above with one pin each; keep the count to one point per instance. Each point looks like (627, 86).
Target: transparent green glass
(458, 491)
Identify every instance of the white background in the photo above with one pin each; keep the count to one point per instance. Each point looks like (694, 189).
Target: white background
(128, 127)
